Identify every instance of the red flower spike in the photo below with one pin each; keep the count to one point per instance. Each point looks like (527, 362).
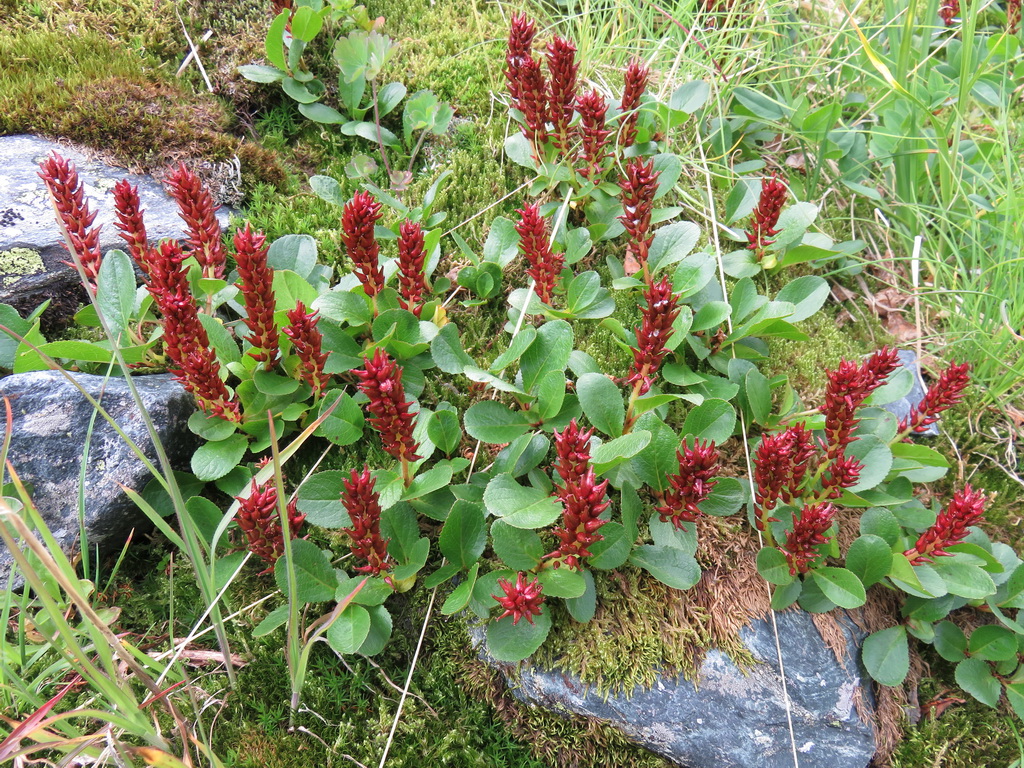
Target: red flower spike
(654, 332)
(766, 215)
(773, 471)
(581, 495)
(843, 472)
(411, 266)
(68, 194)
(636, 79)
(186, 344)
(260, 522)
(808, 532)
(307, 342)
(545, 265)
(533, 102)
(947, 391)
(949, 10)
(258, 292)
(593, 108)
(520, 43)
(639, 186)
(521, 600)
(691, 485)
(1012, 16)
(381, 381)
(131, 223)
(198, 211)
(562, 68)
(848, 387)
(801, 451)
(358, 218)
(965, 509)
(362, 503)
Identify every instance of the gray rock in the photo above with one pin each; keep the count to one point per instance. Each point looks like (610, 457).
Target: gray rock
(733, 718)
(901, 408)
(31, 249)
(50, 427)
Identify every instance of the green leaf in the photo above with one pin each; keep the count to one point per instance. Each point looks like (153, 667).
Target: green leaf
(726, 498)
(886, 656)
(464, 534)
(759, 395)
(975, 677)
(1015, 695)
(502, 243)
(380, 631)
(516, 347)
(582, 608)
(614, 452)
(214, 460)
(460, 596)
(773, 566)
(327, 189)
(658, 459)
(691, 96)
(509, 643)
(275, 40)
(520, 506)
(519, 151)
(671, 244)
(950, 641)
(760, 105)
(493, 422)
(880, 522)
(320, 499)
(714, 419)
(441, 575)
(918, 463)
(260, 73)
(869, 558)
(276, 618)
(964, 579)
(115, 290)
(270, 383)
(785, 596)
(586, 299)
(349, 631)
(840, 586)
(518, 548)
(549, 352)
(210, 427)
(522, 454)
(447, 352)
(315, 579)
(807, 294)
(562, 582)
(437, 477)
(345, 424)
(220, 339)
(349, 309)
(711, 315)
(321, 113)
(602, 403)
(993, 643)
(876, 459)
(80, 351)
(672, 567)
(613, 549)
(294, 252)
(444, 431)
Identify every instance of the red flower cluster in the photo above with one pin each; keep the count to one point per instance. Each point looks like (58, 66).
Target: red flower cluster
(307, 343)
(766, 215)
(639, 186)
(411, 265)
(949, 10)
(362, 503)
(545, 265)
(68, 195)
(521, 600)
(965, 509)
(186, 344)
(520, 44)
(947, 391)
(1012, 16)
(808, 532)
(691, 485)
(358, 218)
(593, 108)
(636, 79)
(258, 292)
(652, 335)
(260, 522)
(381, 381)
(580, 494)
(131, 223)
(562, 67)
(848, 387)
(199, 213)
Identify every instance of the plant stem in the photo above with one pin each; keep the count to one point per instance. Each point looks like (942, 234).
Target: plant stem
(380, 138)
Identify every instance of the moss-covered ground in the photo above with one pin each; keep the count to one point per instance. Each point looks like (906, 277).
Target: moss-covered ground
(102, 73)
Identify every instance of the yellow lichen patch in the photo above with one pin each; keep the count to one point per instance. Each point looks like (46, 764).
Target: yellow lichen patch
(19, 262)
